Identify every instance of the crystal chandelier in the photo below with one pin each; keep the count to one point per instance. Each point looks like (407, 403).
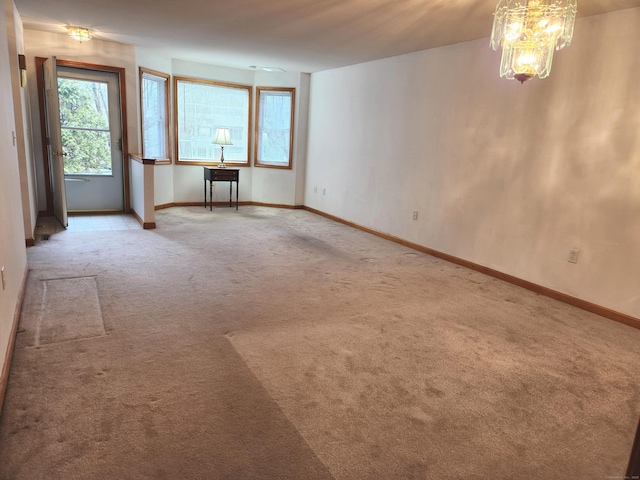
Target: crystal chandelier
(529, 31)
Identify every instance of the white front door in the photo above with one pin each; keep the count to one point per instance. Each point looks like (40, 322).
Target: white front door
(54, 142)
(91, 132)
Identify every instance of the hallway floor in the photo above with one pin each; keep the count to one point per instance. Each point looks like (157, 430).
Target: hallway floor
(86, 223)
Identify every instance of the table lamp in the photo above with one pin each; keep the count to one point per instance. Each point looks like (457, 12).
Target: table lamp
(222, 138)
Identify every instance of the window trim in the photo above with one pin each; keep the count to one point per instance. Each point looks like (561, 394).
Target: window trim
(248, 88)
(257, 136)
(167, 120)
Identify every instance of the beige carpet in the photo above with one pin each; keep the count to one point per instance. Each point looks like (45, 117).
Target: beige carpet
(269, 344)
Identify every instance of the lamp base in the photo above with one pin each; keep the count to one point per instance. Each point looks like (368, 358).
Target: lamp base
(222, 165)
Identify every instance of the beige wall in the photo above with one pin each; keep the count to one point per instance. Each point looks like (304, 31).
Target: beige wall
(505, 175)
(26, 165)
(12, 240)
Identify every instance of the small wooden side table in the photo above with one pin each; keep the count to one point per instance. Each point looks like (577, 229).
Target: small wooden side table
(220, 175)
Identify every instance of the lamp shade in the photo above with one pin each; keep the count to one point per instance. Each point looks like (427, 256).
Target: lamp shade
(223, 137)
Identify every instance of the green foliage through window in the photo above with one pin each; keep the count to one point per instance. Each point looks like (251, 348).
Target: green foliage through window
(84, 121)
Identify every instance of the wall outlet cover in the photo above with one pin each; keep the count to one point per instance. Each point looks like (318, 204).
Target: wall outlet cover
(573, 255)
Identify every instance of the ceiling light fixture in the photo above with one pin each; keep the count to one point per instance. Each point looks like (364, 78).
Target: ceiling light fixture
(529, 31)
(272, 69)
(267, 69)
(80, 34)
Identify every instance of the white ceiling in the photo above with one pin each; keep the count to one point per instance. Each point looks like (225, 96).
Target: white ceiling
(296, 35)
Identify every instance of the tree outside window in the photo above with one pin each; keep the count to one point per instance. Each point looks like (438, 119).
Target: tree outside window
(84, 127)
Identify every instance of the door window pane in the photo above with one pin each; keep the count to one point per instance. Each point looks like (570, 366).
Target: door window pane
(84, 124)
(275, 125)
(202, 107)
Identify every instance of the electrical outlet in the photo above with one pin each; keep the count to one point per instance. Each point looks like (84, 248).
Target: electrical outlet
(2, 275)
(324, 191)
(415, 215)
(573, 255)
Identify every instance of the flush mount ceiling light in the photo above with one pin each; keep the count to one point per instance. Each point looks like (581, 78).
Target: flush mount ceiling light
(267, 69)
(529, 31)
(80, 34)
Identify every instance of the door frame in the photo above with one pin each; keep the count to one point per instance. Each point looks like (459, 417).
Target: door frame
(123, 117)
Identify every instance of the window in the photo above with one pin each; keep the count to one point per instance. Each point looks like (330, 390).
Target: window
(274, 127)
(201, 107)
(84, 126)
(154, 113)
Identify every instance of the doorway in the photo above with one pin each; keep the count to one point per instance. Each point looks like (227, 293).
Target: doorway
(91, 134)
(96, 182)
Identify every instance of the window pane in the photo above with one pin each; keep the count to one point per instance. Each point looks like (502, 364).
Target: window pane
(83, 103)
(155, 126)
(202, 107)
(84, 125)
(88, 152)
(275, 109)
